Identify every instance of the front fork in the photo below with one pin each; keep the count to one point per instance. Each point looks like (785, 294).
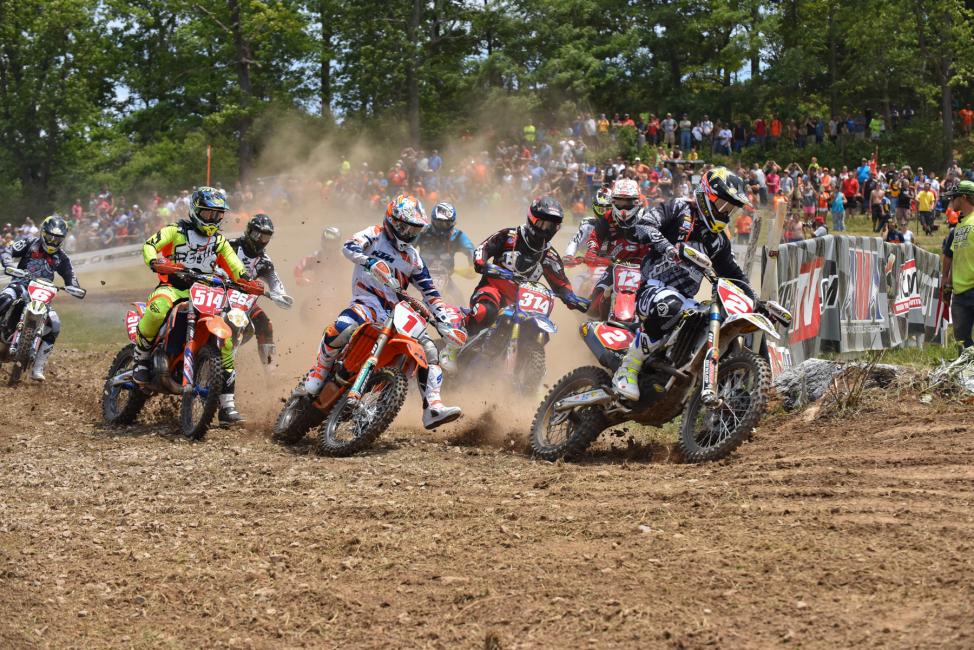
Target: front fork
(510, 359)
(355, 392)
(188, 351)
(708, 392)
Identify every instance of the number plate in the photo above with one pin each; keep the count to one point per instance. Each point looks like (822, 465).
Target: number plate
(41, 292)
(207, 300)
(534, 299)
(627, 279)
(735, 301)
(408, 321)
(241, 300)
(614, 338)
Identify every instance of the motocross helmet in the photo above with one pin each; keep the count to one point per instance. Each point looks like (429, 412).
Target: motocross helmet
(443, 218)
(405, 219)
(625, 203)
(53, 231)
(602, 202)
(258, 232)
(331, 233)
(206, 209)
(719, 197)
(544, 219)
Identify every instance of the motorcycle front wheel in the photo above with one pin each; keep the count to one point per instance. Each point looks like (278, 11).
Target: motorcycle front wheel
(529, 369)
(743, 384)
(199, 405)
(354, 426)
(569, 433)
(25, 355)
(296, 418)
(120, 405)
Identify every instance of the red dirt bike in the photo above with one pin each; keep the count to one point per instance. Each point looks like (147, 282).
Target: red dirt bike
(619, 303)
(22, 326)
(185, 359)
(584, 283)
(705, 372)
(367, 385)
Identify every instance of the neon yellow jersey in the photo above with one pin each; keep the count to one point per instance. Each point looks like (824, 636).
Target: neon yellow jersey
(181, 243)
(962, 249)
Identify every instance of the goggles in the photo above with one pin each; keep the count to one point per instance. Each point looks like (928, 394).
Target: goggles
(260, 237)
(405, 230)
(544, 225)
(726, 208)
(53, 240)
(209, 215)
(624, 203)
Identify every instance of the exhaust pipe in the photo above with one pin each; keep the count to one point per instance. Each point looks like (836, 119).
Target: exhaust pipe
(596, 397)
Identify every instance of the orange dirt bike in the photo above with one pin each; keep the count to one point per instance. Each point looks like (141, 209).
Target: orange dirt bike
(367, 385)
(704, 372)
(185, 359)
(22, 326)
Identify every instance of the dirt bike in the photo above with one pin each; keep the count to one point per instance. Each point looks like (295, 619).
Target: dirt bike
(619, 302)
(584, 283)
(240, 314)
(704, 372)
(517, 339)
(367, 386)
(185, 359)
(22, 327)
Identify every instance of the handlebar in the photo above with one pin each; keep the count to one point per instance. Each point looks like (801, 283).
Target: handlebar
(253, 287)
(418, 306)
(71, 290)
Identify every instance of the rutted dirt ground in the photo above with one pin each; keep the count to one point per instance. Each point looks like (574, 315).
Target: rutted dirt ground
(835, 533)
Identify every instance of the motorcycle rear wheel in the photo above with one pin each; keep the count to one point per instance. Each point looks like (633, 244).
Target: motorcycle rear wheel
(743, 383)
(24, 356)
(568, 434)
(351, 428)
(197, 410)
(115, 407)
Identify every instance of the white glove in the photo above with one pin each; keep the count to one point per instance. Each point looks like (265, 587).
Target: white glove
(454, 335)
(384, 275)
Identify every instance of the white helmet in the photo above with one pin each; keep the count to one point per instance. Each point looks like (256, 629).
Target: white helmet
(625, 202)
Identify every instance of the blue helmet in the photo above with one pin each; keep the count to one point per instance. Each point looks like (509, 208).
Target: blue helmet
(443, 218)
(206, 210)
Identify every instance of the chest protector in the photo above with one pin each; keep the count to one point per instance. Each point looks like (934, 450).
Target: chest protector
(521, 259)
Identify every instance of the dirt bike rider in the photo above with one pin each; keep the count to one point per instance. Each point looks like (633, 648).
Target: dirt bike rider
(614, 238)
(601, 204)
(524, 252)
(41, 257)
(386, 262)
(443, 240)
(330, 242)
(668, 285)
(197, 244)
(250, 248)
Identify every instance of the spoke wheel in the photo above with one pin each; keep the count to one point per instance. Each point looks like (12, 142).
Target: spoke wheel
(354, 426)
(121, 405)
(199, 405)
(568, 433)
(743, 383)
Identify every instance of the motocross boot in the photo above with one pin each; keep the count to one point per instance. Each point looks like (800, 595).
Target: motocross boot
(314, 381)
(266, 352)
(37, 373)
(626, 380)
(228, 410)
(434, 412)
(143, 350)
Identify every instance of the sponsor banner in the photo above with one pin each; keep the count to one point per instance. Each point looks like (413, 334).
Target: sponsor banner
(851, 294)
(108, 258)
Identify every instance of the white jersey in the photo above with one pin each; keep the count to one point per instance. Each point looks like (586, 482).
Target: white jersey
(408, 267)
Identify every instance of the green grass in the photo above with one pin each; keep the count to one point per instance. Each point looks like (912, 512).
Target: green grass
(930, 355)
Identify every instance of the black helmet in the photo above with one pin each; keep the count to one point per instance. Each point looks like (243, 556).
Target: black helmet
(443, 217)
(544, 219)
(53, 231)
(206, 210)
(258, 233)
(719, 196)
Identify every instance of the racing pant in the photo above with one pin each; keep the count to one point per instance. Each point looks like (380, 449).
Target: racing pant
(661, 307)
(157, 309)
(339, 333)
(487, 300)
(264, 331)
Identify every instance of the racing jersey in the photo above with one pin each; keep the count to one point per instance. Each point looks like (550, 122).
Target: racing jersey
(407, 266)
(507, 249)
(439, 250)
(181, 243)
(31, 257)
(615, 244)
(677, 221)
(259, 266)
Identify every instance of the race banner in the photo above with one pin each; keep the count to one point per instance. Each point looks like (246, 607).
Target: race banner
(852, 294)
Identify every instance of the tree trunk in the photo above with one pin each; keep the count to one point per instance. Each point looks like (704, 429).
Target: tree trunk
(833, 63)
(947, 108)
(241, 47)
(412, 72)
(324, 73)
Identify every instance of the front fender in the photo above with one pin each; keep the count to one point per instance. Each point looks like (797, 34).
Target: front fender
(401, 346)
(210, 326)
(738, 324)
(542, 323)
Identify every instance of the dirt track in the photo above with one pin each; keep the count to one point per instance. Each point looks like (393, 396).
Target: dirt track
(830, 534)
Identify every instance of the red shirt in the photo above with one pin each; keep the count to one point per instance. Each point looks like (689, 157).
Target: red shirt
(759, 127)
(850, 186)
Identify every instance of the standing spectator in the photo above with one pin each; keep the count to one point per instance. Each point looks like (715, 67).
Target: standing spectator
(724, 138)
(591, 129)
(686, 128)
(603, 125)
(833, 129)
(850, 189)
(435, 161)
(530, 133)
(652, 130)
(925, 201)
(966, 120)
(669, 131)
(876, 127)
(742, 227)
(877, 197)
(958, 263)
(707, 129)
(760, 132)
(77, 212)
(740, 136)
(775, 131)
(838, 212)
(904, 200)
(773, 180)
